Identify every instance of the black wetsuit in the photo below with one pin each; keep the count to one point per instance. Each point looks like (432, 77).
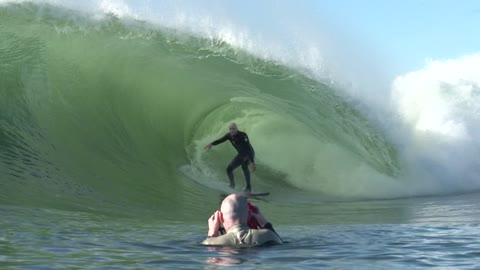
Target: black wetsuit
(245, 155)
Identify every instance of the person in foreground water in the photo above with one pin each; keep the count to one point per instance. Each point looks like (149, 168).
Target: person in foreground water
(245, 155)
(244, 225)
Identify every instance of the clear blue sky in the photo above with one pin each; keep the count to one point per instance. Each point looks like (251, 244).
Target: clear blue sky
(409, 31)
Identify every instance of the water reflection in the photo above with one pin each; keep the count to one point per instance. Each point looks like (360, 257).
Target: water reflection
(230, 256)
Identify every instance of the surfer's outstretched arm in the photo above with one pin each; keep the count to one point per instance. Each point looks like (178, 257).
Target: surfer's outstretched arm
(219, 141)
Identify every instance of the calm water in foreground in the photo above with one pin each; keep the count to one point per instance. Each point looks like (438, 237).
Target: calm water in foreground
(440, 233)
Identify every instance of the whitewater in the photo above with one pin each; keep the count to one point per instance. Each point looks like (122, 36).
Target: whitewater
(105, 108)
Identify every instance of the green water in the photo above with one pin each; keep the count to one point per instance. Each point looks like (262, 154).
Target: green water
(102, 114)
(102, 129)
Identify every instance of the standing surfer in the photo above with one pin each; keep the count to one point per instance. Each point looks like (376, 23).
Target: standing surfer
(245, 155)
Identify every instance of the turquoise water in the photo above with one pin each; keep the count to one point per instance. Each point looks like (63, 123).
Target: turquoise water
(102, 127)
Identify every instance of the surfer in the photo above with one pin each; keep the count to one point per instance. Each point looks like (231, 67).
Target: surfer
(245, 155)
(234, 214)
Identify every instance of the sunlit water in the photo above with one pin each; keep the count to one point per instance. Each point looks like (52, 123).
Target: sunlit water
(103, 123)
(437, 232)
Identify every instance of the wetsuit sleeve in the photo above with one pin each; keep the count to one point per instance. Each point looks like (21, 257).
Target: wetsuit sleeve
(251, 152)
(221, 140)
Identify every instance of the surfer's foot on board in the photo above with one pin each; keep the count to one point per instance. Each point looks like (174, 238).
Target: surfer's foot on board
(247, 189)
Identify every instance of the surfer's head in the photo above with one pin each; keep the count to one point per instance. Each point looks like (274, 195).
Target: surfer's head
(233, 128)
(234, 210)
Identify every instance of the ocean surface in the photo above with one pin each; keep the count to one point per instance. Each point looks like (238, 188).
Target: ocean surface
(103, 123)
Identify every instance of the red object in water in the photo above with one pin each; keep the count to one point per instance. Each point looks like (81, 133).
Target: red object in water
(252, 221)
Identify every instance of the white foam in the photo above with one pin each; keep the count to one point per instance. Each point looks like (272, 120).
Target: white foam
(442, 98)
(440, 106)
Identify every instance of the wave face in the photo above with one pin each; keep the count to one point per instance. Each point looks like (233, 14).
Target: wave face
(113, 114)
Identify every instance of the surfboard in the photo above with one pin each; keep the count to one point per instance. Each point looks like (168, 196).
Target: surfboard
(252, 195)
(256, 194)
